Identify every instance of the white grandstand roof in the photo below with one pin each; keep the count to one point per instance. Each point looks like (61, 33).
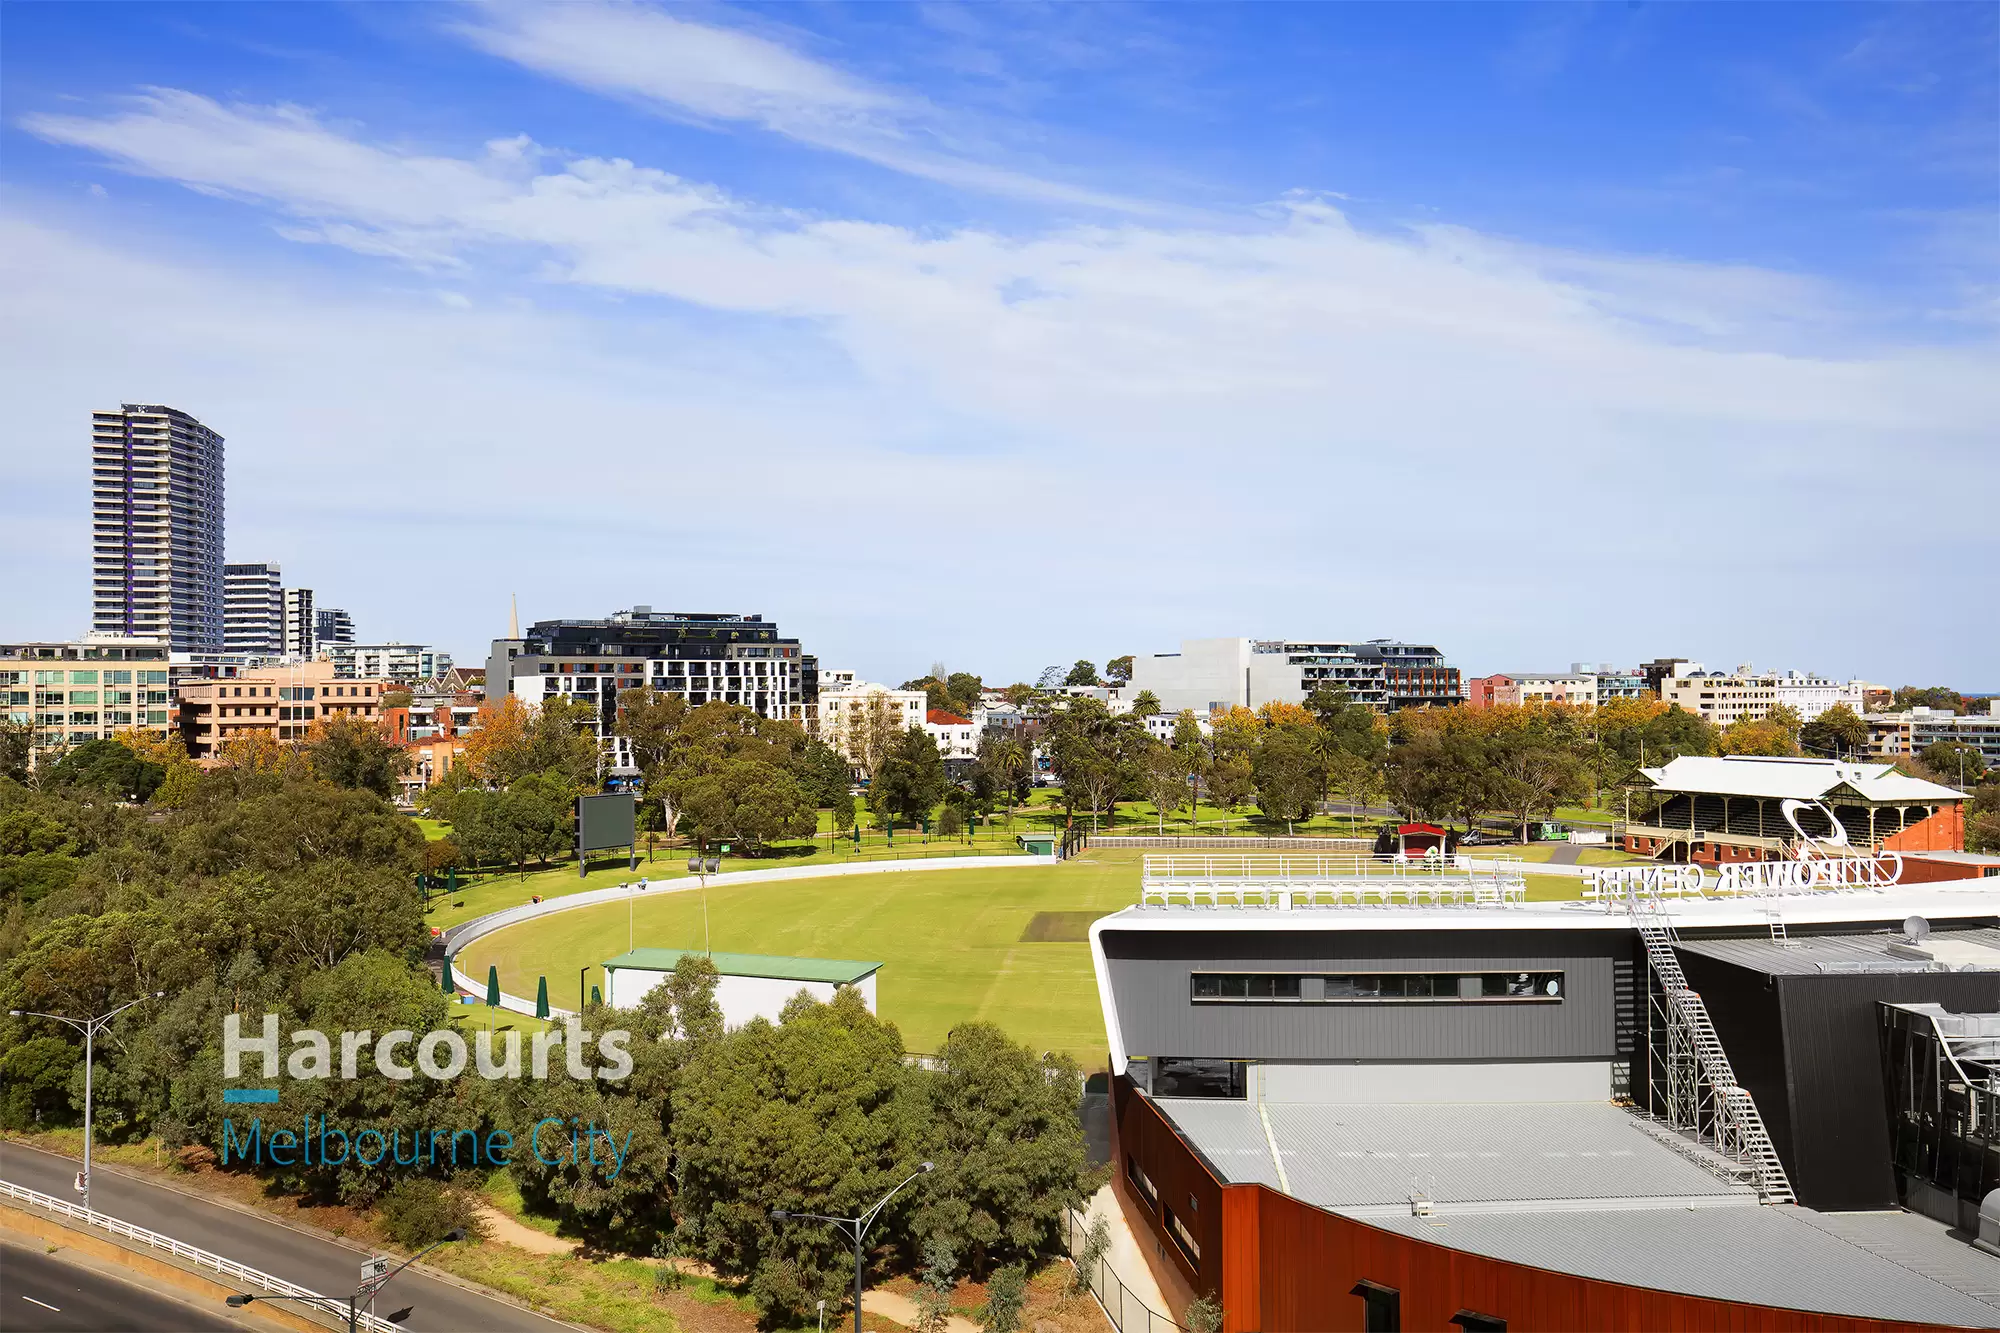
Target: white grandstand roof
(1795, 779)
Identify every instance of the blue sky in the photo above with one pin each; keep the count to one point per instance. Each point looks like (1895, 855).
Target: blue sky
(1002, 335)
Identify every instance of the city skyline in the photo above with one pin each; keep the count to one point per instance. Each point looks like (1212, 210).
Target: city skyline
(936, 340)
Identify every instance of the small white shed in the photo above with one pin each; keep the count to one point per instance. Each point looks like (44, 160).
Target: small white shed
(751, 984)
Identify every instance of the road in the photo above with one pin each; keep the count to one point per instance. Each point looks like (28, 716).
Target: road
(322, 1265)
(40, 1293)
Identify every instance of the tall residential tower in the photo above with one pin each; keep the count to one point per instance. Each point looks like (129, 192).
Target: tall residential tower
(156, 509)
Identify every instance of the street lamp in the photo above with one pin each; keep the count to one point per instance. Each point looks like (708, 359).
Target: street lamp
(369, 1286)
(857, 1227)
(89, 1027)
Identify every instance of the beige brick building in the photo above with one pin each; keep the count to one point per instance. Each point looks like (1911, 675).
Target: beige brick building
(282, 701)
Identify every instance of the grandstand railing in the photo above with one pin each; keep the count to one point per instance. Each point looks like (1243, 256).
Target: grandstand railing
(1289, 882)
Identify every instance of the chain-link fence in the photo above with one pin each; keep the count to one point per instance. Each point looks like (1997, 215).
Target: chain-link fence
(1121, 1305)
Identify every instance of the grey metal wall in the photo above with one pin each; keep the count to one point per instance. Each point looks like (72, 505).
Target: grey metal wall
(1150, 972)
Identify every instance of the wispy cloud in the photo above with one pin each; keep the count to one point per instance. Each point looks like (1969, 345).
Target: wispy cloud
(1262, 408)
(710, 73)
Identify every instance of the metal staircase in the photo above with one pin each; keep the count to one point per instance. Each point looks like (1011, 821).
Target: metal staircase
(1701, 1092)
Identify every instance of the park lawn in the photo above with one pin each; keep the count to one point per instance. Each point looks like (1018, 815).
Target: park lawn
(495, 890)
(949, 941)
(433, 829)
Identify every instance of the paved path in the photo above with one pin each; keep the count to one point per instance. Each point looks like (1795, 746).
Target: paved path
(900, 1309)
(1568, 854)
(317, 1262)
(40, 1293)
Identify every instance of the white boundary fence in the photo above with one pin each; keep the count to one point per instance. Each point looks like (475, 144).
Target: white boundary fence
(459, 936)
(254, 1281)
(1289, 882)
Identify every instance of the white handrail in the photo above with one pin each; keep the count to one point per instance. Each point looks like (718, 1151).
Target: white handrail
(257, 1282)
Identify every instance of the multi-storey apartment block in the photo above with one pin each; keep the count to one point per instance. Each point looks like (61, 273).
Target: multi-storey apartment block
(156, 527)
(1211, 674)
(253, 618)
(704, 657)
(70, 693)
(407, 662)
(300, 636)
(282, 702)
(332, 627)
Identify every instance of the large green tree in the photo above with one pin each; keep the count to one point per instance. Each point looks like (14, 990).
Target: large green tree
(1837, 733)
(910, 781)
(1289, 774)
(109, 767)
(353, 752)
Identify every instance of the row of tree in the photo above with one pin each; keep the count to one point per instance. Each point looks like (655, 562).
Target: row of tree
(272, 889)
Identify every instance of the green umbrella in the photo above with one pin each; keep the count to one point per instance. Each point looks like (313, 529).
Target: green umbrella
(444, 978)
(542, 998)
(595, 998)
(493, 986)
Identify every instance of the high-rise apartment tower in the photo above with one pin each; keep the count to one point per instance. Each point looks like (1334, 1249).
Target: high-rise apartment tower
(253, 620)
(156, 510)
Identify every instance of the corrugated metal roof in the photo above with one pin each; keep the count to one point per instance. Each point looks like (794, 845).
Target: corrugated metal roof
(1813, 954)
(1781, 1256)
(1358, 1156)
(839, 971)
(1798, 779)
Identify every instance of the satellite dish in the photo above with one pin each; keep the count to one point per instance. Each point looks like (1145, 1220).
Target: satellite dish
(1916, 928)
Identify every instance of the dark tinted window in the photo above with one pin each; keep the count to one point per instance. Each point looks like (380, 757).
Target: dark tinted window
(1183, 1077)
(1381, 1307)
(1245, 986)
(1450, 987)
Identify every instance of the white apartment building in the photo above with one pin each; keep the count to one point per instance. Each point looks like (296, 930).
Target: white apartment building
(1750, 695)
(1809, 695)
(253, 613)
(406, 662)
(1721, 699)
(156, 503)
(957, 737)
(845, 715)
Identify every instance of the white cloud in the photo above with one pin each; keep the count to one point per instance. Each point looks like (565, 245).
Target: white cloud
(1292, 427)
(704, 72)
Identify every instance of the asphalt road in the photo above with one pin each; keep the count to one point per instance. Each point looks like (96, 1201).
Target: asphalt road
(39, 1293)
(328, 1266)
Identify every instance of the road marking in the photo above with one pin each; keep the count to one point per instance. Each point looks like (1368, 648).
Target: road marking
(44, 1304)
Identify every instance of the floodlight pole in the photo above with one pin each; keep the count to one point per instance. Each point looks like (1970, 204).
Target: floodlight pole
(856, 1227)
(89, 1027)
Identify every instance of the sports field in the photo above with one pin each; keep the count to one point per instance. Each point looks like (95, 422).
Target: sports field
(1001, 944)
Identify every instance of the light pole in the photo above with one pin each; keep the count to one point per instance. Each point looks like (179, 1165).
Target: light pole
(89, 1027)
(368, 1288)
(857, 1227)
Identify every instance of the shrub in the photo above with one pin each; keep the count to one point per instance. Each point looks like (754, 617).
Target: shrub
(416, 1213)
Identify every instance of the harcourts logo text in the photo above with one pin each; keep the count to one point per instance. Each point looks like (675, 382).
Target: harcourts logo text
(440, 1054)
(402, 1055)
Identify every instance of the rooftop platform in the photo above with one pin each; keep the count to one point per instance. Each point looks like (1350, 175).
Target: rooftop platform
(1811, 955)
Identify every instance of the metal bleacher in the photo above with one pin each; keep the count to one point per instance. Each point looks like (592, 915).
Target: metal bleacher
(1285, 883)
